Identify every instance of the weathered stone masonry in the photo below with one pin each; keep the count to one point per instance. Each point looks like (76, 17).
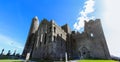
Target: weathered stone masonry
(47, 40)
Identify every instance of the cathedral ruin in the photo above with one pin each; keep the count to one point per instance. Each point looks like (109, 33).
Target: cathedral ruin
(48, 41)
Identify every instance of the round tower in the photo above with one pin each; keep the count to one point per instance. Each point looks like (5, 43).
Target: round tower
(34, 25)
(29, 44)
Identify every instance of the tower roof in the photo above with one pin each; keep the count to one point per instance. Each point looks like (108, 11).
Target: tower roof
(36, 17)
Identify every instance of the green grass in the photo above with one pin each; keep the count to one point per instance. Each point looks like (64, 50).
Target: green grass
(10, 60)
(96, 61)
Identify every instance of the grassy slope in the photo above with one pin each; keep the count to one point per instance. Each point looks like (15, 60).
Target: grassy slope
(96, 61)
(9, 60)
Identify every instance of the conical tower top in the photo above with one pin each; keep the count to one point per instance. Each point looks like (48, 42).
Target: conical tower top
(36, 17)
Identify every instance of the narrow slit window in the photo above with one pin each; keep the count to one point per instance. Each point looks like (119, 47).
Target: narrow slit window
(54, 29)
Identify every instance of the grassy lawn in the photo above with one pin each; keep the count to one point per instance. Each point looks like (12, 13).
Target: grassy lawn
(97, 61)
(10, 60)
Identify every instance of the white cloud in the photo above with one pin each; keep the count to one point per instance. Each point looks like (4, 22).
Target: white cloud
(111, 22)
(83, 15)
(9, 44)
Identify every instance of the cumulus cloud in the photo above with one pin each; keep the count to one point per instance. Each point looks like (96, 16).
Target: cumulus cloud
(9, 44)
(83, 15)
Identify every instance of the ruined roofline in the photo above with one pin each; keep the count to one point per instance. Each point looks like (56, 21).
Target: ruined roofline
(52, 21)
(66, 25)
(48, 21)
(91, 21)
(45, 21)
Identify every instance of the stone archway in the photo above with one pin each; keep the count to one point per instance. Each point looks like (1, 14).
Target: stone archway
(84, 53)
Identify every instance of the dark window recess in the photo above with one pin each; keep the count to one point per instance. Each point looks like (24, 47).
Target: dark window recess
(50, 29)
(54, 38)
(45, 38)
(54, 29)
(49, 39)
(57, 34)
(61, 35)
(84, 53)
(39, 43)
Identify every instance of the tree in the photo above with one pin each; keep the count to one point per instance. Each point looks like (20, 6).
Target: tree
(2, 52)
(8, 54)
(18, 55)
(14, 53)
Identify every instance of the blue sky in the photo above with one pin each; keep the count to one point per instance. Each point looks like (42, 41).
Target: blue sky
(16, 16)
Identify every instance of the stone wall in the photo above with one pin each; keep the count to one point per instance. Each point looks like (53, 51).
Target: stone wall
(92, 40)
(95, 32)
(51, 41)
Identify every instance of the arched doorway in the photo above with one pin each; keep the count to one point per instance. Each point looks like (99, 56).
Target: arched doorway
(84, 53)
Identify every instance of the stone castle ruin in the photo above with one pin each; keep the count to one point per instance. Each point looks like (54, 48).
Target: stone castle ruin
(49, 41)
